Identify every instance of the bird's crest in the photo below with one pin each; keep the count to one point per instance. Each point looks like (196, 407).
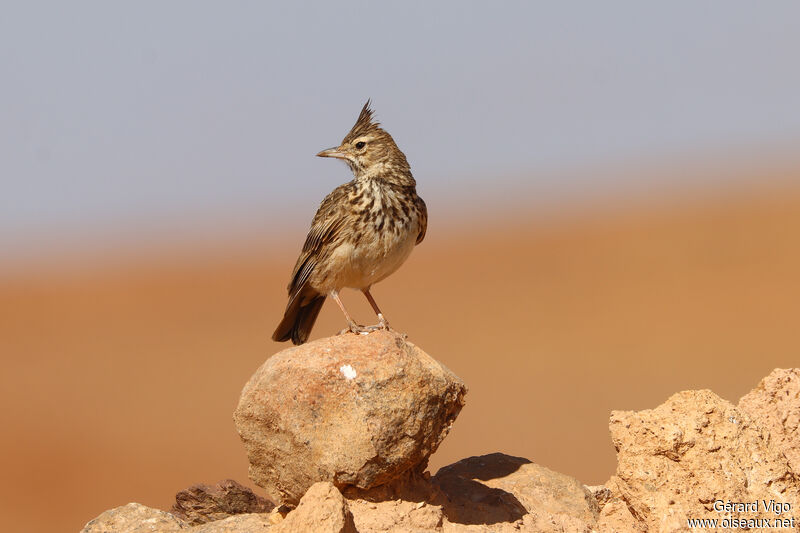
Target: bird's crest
(365, 124)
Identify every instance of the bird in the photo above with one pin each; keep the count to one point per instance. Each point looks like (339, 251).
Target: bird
(363, 231)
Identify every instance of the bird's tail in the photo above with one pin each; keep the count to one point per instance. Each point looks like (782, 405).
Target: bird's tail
(301, 313)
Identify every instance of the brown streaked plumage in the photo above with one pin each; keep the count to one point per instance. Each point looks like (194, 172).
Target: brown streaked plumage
(362, 232)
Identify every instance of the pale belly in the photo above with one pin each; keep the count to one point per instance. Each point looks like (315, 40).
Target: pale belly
(373, 259)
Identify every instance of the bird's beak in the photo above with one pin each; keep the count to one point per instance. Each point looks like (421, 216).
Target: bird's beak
(332, 152)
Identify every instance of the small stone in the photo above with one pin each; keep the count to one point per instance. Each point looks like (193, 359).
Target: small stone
(276, 516)
(322, 509)
(205, 503)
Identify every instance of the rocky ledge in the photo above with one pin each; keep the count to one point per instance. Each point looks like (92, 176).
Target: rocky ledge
(339, 432)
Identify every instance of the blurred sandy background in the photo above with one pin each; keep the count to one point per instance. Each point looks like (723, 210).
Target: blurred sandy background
(614, 217)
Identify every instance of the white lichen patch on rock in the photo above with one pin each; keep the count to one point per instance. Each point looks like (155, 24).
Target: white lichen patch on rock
(348, 372)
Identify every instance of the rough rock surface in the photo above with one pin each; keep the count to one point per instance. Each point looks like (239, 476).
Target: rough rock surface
(241, 523)
(134, 518)
(775, 405)
(410, 503)
(322, 509)
(616, 517)
(676, 460)
(498, 488)
(350, 409)
(674, 463)
(493, 493)
(206, 503)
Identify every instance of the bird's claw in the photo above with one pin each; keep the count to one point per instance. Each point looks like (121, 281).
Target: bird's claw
(356, 328)
(383, 324)
(365, 330)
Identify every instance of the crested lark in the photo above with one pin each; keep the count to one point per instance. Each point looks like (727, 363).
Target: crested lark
(362, 232)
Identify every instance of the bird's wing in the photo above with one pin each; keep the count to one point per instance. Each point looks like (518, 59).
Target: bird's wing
(423, 219)
(325, 227)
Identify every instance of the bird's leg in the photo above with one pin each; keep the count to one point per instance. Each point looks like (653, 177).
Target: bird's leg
(382, 322)
(351, 324)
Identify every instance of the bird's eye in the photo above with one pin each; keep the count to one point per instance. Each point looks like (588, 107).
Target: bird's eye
(360, 144)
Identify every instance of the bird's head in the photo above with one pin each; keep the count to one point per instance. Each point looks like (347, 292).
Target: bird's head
(369, 150)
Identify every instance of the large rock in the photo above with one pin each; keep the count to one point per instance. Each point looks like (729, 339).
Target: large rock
(493, 493)
(134, 518)
(688, 457)
(206, 503)
(501, 491)
(352, 409)
(775, 405)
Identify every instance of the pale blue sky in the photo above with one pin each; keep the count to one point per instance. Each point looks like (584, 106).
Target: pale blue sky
(172, 115)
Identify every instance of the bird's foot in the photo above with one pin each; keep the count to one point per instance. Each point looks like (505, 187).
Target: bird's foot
(382, 324)
(358, 329)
